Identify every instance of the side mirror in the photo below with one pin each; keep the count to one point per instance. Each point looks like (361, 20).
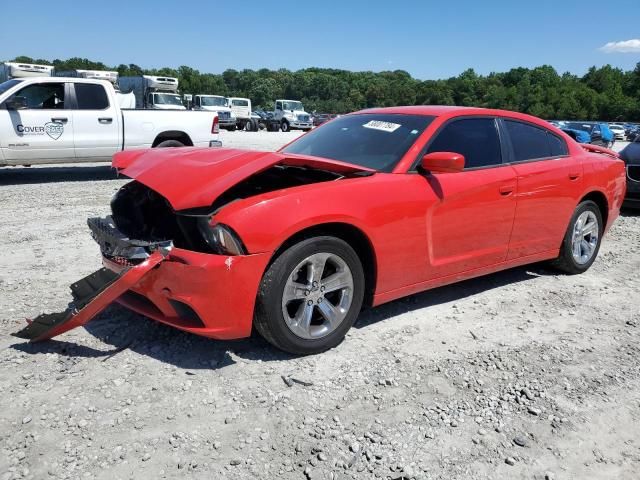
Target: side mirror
(442, 162)
(16, 103)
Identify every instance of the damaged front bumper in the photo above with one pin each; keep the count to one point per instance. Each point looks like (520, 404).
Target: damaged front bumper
(91, 295)
(202, 293)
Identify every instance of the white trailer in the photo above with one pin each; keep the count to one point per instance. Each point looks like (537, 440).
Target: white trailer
(153, 92)
(241, 109)
(14, 70)
(92, 74)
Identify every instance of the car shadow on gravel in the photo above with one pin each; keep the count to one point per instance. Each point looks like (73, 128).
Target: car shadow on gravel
(125, 330)
(26, 175)
(452, 293)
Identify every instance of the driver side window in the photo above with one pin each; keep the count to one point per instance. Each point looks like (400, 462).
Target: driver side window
(43, 96)
(475, 138)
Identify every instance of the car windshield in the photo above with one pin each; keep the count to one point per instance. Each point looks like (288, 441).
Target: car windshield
(376, 141)
(4, 86)
(167, 99)
(214, 102)
(293, 106)
(579, 126)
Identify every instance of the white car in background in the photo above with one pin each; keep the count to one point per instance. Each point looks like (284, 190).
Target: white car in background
(618, 131)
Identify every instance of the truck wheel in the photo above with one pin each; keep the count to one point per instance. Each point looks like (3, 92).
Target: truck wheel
(170, 143)
(284, 126)
(248, 126)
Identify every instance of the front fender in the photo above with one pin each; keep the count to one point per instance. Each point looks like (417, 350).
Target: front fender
(389, 209)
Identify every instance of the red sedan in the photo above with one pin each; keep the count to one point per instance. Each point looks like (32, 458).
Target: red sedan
(368, 208)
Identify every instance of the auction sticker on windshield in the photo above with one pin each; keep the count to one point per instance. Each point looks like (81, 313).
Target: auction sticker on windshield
(383, 126)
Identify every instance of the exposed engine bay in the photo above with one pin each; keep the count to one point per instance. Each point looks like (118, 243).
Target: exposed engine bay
(142, 214)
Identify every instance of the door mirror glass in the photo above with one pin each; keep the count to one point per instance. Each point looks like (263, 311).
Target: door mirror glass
(16, 103)
(443, 162)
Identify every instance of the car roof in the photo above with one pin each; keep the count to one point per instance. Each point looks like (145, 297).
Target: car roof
(454, 111)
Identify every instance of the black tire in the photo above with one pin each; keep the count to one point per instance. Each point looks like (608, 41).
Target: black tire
(261, 126)
(248, 126)
(269, 319)
(566, 261)
(284, 126)
(170, 144)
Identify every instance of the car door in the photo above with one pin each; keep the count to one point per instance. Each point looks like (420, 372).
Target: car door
(43, 131)
(469, 223)
(96, 123)
(549, 186)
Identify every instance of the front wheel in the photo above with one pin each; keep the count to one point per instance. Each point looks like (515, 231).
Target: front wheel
(582, 240)
(310, 296)
(285, 126)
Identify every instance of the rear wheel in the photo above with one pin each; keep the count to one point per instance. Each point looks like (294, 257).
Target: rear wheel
(310, 296)
(582, 240)
(170, 143)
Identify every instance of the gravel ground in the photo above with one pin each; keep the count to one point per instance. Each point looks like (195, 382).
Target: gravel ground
(520, 374)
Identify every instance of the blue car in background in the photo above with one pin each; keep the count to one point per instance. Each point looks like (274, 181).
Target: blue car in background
(590, 132)
(580, 136)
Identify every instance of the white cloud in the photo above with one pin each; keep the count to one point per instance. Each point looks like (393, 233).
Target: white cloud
(625, 46)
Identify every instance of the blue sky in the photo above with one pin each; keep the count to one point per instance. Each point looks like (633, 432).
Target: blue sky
(427, 39)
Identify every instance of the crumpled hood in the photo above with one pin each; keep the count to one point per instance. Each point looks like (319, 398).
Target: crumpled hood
(195, 177)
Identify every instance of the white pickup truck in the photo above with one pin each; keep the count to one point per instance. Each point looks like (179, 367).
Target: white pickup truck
(67, 120)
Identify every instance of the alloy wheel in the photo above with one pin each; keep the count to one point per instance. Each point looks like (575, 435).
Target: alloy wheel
(317, 295)
(585, 237)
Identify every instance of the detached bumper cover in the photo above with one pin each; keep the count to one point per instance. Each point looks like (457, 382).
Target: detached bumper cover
(206, 294)
(91, 295)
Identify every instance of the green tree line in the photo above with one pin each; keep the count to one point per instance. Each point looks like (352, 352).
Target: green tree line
(604, 93)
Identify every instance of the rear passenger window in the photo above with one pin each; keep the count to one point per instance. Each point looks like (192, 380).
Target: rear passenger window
(558, 146)
(91, 96)
(528, 142)
(475, 138)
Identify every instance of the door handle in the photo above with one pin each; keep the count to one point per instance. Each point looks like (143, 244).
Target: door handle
(574, 175)
(506, 190)
(59, 119)
(105, 120)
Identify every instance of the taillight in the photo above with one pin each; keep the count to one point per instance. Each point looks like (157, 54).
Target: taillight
(215, 128)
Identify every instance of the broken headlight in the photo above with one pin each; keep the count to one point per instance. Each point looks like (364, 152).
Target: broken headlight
(220, 238)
